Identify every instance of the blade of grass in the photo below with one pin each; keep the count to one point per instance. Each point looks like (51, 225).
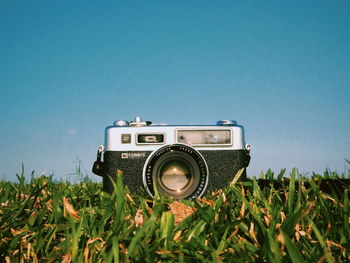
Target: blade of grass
(321, 241)
(166, 228)
(291, 191)
(293, 251)
(115, 250)
(346, 214)
(196, 230)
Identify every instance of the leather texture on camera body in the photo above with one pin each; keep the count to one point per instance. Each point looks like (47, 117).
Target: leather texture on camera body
(223, 165)
(131, 168)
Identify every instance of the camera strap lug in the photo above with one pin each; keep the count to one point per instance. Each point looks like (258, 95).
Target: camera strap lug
(98, 164)
(247, 154)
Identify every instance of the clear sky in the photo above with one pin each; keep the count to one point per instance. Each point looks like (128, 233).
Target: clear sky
(68, 69)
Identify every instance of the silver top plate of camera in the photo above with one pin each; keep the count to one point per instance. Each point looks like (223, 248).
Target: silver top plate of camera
(139, 135)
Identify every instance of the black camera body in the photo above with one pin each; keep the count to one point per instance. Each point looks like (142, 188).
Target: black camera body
(179, 161)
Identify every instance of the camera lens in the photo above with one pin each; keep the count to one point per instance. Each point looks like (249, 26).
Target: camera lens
(177, 171)
(175, 175)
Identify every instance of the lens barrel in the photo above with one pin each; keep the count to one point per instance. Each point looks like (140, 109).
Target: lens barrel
(176, 171)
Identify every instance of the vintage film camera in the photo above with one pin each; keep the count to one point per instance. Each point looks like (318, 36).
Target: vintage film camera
(182, 161)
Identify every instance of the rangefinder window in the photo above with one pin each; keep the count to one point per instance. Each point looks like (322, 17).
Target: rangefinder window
(204, 137)
(150, 138)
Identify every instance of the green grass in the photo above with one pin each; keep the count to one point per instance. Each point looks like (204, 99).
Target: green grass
(48, 221)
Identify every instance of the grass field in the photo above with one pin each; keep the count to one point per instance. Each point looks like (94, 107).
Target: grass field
(48, 221)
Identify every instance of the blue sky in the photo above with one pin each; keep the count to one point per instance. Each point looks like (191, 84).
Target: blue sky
(68, 69)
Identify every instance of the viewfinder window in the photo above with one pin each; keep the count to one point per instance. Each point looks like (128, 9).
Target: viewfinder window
(150, 138)
(204, 137)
